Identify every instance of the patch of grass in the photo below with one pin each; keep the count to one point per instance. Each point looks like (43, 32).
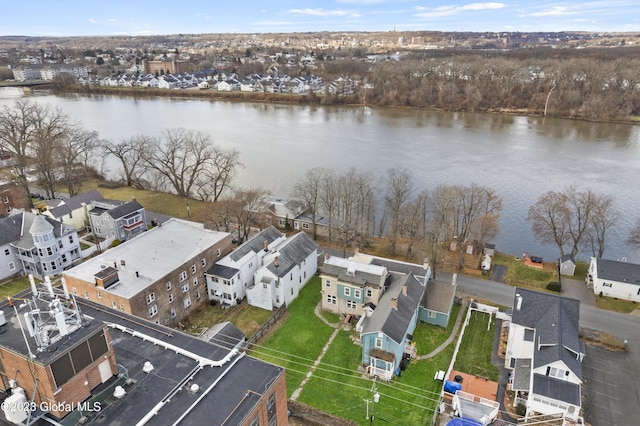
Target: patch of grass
(331, 317)
(299, 341)
(616, 305)
(474, 356)
(13, 287)
(84, 246)
(520, 275)
(582, 268)
(251, 319)
(429, 336)
(409, 400)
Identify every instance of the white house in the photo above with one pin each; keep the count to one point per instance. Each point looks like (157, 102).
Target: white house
(614, 279)
(284, 272)
(74, 211)
(545, 353)
(229, 278)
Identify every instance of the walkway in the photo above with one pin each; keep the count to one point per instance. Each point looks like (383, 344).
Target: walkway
(296, 393)
(452, 336)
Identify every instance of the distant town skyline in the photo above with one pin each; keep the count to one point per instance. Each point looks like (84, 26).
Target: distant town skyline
(117, 17)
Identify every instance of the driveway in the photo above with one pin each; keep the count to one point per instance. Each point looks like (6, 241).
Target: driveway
(577, 289)
(610, 389)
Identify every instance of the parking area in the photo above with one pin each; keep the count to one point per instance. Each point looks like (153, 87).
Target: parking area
(610, 388)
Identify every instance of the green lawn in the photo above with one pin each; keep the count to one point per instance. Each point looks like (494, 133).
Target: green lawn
(298, 342)
(474, 356)
(13, 287)
(428, 336)
(617, 305)
(520, 275)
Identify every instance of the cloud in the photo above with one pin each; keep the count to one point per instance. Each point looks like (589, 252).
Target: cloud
(112, 20)
(318, 12)
(92, 21)
(554, 11)
(426, 12)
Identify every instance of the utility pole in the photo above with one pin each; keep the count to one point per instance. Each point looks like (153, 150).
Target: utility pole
(375, 398)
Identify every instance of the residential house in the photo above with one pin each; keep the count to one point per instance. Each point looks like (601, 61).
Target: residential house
(545, 353)
(291, 214)
(385, 295)
(437, 302)
(567, 265)
(12, 196)
(36, 244)
(284, 272)
(112, 219)
(158, 276)
(229, 278)
(228, 85)
(614, 279)
(97, 365)
(73, 211)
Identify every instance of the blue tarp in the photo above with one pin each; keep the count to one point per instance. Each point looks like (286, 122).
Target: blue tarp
(452, 387)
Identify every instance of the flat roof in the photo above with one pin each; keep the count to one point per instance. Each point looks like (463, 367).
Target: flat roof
(150, 256)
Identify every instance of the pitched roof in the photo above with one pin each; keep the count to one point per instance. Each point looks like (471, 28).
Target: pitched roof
(256, 243)
(124, 209)
(348, 270)
(10, 228)
(555, 320)
(39, 224)
(70, 204)
(561, 390)
(623, 272)
(438, 296)
(222, 271)
(391, 321)
(291, 253)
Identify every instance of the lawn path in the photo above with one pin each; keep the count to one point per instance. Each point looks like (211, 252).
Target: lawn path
(296, 393)
(452, 336)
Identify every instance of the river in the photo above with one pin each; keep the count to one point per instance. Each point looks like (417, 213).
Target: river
(520, 157)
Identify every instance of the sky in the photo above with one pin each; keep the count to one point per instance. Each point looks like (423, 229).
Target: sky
(142, 17)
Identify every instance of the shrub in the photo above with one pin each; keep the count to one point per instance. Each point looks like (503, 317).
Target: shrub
(521, 409)
(116, 242)
(554, 286)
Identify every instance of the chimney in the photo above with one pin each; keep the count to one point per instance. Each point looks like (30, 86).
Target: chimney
(394, 303)
(425, 263)
(454, 279)
(404, 289)
(266, 245)
(276, 261)
(518, 302)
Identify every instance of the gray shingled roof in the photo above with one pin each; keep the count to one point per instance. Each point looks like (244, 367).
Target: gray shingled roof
(395, 322)
(296, 249)
(561, 390)
(222, 271)
(438, 296)
(10, 228)
(358, 277)
(74, 203)
(256, 243)
(618, 271)
(124, 209)
(556, 322)
(39, 225)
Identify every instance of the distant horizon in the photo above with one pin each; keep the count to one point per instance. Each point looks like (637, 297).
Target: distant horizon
(65, 18)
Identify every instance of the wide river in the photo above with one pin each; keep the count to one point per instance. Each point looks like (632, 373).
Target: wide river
(520, 157)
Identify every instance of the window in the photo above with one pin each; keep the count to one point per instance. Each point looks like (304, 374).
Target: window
(5, 199)
(607, 284)
(282, 222)
(8, 209)
(12, 266)
(71, 239)
(173, 312)
(217, 252)
(114, 305)
(250, 264)
(86, 294)
(351, 305)
(64, 258)
(183, 275)
(203, 262)
(185, 288)
(99, 294)
(431, 314)
(198, 294)
(170, 297)
(153, 310)
(347, 291)
(357, 293)
(195, 282)
(169, 286)
(305, 226)
(121, 308)
(49, 251)
(187, 302)
(327, 283)
(193, 269)
(378, 342)
(296, 225)
(215, 279)
(60, 243)
(7, 252)
(271, 410)
(528, 335)
(74, 291)
(332, 300)
(369, 292)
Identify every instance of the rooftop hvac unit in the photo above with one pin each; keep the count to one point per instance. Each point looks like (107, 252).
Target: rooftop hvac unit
(16, 407)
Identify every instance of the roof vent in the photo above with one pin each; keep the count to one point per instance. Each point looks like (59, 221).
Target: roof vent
(148, 367)
(119, 392)
(194, 388)
(518, 302)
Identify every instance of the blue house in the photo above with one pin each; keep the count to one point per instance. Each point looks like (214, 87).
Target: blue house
(386, 330)
(437, 302)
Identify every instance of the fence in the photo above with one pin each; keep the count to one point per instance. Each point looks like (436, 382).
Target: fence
(275, 316)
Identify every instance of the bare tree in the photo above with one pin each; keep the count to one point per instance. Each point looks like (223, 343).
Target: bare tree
(399, 189)
(217, 177)
(74, 154)
(413, 220)
(329, 199)
(131, 153)
(548, 217)
(247, 204)
(604, 218)
(634, 236)
(309, 190)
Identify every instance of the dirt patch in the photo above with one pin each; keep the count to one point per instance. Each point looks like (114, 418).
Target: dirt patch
(304, 415)
(601, 339)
